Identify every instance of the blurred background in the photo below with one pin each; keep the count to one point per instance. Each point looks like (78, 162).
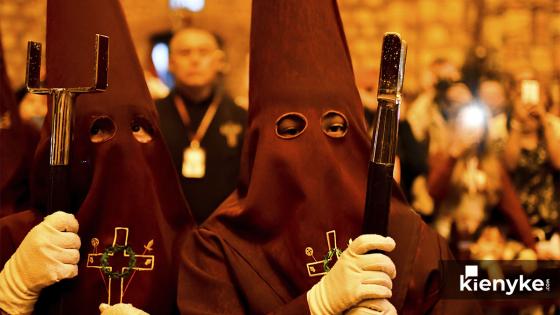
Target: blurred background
(479, 137)
(512, 35)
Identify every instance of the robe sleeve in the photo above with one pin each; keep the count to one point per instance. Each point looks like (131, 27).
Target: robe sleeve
(297, 306)
(449, 306)
(424, 292)
(13, 229)
(205, 285)
(214, 279)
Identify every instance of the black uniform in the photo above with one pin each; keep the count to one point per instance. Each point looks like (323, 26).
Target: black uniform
(222, 156)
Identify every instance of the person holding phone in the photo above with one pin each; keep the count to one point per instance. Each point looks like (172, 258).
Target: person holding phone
(532, 156)
(466, 179)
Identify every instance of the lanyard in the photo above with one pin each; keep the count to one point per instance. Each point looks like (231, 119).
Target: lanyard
(206, 120)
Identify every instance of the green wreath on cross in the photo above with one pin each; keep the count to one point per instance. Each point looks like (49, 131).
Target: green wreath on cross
(106, 269)
(333, 251)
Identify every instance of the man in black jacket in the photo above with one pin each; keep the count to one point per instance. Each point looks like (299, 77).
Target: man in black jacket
(201, 124)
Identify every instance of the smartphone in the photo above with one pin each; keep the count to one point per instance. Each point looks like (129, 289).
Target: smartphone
(530, 92)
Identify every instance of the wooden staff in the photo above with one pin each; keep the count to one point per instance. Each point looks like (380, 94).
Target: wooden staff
(384, 142)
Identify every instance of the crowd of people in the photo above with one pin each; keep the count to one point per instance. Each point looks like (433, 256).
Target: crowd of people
(470, 158)
(485, 158)
(234, 202)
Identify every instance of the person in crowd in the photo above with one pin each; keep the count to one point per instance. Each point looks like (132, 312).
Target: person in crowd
(532, 156)
(201, 124)
(466, 179)
(422, 123)
(492, 94)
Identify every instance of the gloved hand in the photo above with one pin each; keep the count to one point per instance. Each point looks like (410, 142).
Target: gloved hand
(355, 277)
(47, 254)
(373, 307)
(120, 309)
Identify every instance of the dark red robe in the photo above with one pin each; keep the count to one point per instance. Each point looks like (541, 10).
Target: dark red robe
(252, 255)
(124, 189)
(221, 273)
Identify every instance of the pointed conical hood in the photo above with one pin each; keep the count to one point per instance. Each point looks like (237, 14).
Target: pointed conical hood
(17, 145)
(121, 173)
(305, 157)
(299, 57)
(299, 62)
(300, 66)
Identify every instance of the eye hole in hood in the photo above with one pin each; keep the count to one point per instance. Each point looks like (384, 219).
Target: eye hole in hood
(142, 129)
(290, 125)
(334, 124)
(101, 129)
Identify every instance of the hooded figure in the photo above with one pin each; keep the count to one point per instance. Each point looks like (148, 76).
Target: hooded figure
(301, 196)
(123, 186)
(17, 146)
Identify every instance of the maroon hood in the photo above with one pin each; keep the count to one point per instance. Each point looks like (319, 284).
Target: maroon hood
(123, 181)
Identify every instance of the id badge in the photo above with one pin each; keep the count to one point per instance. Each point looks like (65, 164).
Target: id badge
(194, 161)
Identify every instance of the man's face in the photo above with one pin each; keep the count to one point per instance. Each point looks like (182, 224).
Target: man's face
(459, 94)
(195, 59)
(492, 94)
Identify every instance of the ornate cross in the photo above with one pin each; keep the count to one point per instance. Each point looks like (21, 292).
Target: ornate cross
(114, 271)
(231, 131)
(321, 267)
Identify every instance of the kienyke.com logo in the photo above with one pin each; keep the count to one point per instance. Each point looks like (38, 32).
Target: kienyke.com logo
(469, 281)
(499, 279)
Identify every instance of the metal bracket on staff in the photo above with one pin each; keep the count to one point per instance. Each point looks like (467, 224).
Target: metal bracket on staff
(61, 114)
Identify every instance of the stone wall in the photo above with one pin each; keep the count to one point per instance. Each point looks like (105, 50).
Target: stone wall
(520, 34)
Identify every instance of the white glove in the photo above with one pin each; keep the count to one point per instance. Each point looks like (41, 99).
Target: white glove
(373, 307)
(47, 254)
(355, 277)
(120, 309)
